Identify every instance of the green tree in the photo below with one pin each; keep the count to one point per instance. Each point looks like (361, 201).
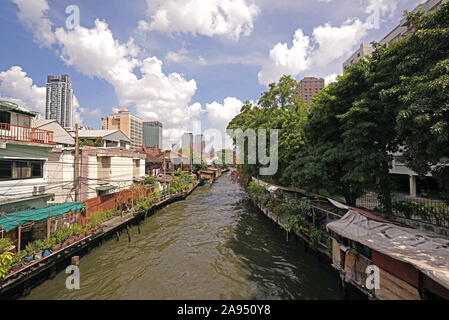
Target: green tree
(280, 108)
(422, 92)
(324, 162)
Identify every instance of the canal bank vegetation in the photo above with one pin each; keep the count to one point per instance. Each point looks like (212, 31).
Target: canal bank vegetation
(295, 214)
(343, 145)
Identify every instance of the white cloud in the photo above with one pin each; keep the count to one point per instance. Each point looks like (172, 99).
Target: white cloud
(220, 114)
(177, 56)
(330, 78)
(335, 42)
(156, 96)
(228, 18)
(17, 87)
(77, 111)
(283, 60)
(95, 52)
(384, 6)
(90, 113)
(33, 15)
(326, 45)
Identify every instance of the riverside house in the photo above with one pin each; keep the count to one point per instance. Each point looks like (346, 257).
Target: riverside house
(23, 160)
(102, 171)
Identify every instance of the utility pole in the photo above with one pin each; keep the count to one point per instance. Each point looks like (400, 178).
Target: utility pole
(77, 168)
(165, 177)
(191, 160)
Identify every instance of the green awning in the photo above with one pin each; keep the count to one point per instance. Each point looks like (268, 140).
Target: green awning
(10, 221)
(105, 188)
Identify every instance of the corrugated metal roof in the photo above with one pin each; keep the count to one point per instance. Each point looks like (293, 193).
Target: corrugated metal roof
(102, 134)
(15, 108)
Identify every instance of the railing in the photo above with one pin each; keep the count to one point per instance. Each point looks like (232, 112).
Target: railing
(427, 210)
(25, 134)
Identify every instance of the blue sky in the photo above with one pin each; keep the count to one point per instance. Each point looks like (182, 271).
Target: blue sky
(179, 61)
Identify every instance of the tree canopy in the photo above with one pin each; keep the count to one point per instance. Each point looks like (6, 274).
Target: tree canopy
(394, 102)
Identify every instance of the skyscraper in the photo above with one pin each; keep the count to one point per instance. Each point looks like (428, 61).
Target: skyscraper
(200, 144)
(59, 100)
(128, 123)
(152, 134)
(187, 142)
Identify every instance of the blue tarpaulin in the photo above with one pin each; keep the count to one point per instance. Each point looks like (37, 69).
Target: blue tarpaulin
(10, 221)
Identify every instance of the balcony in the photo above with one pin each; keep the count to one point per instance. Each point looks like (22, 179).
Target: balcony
(25, 134)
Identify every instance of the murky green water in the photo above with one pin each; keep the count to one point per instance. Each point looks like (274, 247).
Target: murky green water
(214, 245)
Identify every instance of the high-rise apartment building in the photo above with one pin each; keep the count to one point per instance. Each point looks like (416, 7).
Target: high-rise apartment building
(366, 49)
(187, 142)
(398, 33)
(152, 134)
(59, 100)
(128, 123)
(199, 144)
(309, 87)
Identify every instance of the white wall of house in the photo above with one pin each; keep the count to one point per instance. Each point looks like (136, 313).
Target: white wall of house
(54, 175)
(61, 176)
(142, 168)
(92, 176)
(15, 189)
(122, 172)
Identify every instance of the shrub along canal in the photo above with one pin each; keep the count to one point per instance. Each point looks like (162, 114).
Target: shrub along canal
(213, 245)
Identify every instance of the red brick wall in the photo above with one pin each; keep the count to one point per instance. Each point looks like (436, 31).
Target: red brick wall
(111, 201)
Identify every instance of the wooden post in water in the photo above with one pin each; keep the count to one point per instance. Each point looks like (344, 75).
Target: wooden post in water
(75, 261)
(117, 235)
(127, 231)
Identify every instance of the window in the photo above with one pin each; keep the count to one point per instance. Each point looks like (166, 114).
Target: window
(5, 117)
(11, 170)
(36, 169)
(5, 170)
(21, 170)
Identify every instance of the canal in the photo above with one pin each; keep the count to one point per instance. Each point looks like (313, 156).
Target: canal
(213, 245)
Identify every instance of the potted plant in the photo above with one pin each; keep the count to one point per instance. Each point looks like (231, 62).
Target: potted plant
(61, 236)
(29, 252)
(39, 245)
(68, 240)
(55, 245)
(94, 221)
(17, 262)
(48, 243)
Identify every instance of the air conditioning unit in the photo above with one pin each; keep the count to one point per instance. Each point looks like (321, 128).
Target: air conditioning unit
(38, 190)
